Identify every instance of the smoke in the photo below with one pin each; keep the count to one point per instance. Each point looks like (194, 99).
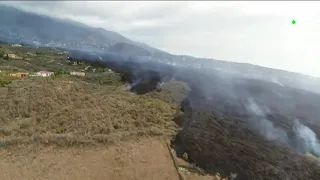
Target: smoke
(263, 125)
(222, 92)
(307, 141)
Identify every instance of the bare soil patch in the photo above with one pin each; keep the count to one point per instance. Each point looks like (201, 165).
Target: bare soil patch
(144, 159)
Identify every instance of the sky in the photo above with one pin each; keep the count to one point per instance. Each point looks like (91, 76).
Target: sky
(254, 32)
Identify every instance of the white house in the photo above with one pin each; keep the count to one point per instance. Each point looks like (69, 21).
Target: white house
(16, 45)
(44, 73)
(77, 73)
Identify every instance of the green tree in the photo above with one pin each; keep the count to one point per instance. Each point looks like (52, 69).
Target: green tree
(60, 72)
(6, 57)
(4, 82)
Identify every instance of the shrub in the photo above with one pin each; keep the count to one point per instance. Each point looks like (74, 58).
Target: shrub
(2, 54)
(4, 82)
(60, 72)
(6, 57)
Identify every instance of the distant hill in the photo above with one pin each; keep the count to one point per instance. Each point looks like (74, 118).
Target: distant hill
(128, 49)
(229, 107)
(19, 26)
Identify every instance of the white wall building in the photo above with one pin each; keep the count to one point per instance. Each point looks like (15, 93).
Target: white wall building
(44, 73)
(16, 45)
(77, 73)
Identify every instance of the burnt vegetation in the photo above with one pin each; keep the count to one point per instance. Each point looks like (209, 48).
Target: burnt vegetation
(220, 131)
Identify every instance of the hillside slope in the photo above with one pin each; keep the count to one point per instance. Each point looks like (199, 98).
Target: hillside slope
(26, 27)
(83, 127)
(242, 120)
(251, 117)
(246, 123)
(128, 50)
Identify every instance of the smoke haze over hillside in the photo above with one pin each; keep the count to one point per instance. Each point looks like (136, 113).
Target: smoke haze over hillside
(253, 32)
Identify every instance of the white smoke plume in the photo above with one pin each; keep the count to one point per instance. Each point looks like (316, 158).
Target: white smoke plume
(264, 126)
(307, 139)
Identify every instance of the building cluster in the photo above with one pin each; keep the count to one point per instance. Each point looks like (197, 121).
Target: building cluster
(42, 74)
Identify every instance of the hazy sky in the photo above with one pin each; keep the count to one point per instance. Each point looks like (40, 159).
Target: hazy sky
(253, 32)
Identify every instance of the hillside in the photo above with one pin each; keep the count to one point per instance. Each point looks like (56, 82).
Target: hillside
(99, 100)
(53, 98)
(240, 119)
(128, 50)
(85, 114)
(63, 123)
(20, 26)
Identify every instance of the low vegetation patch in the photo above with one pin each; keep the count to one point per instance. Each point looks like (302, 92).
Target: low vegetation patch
(75, 109)
(67, 108)
(4, 82)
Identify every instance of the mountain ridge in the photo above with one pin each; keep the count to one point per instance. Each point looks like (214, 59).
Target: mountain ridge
(19, 26)
(20, 22)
